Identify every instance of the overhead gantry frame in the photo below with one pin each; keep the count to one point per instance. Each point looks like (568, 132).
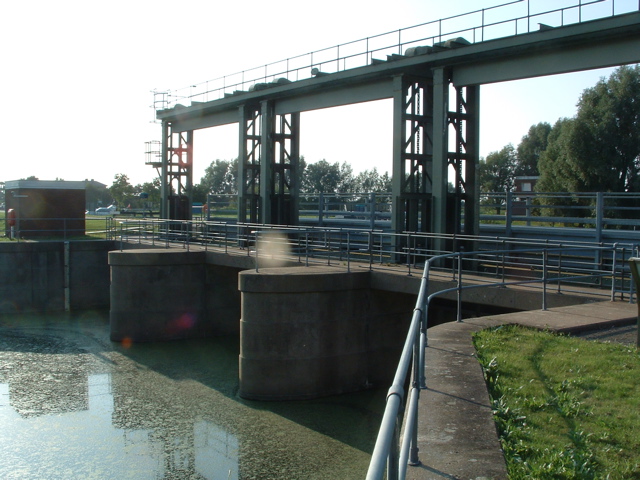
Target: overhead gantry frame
(269, 153)
(434, 139)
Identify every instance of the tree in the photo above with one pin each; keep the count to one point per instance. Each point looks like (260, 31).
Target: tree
(600, 148)
(220, 177)
(96, 195)
(321, 177)
(530, 148)
(347, 182)
(557, 167)
(370, 181)
(496, 172)
(121, 189)
(152, 190)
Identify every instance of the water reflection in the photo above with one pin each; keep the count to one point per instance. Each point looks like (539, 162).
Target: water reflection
(95, 441)
(73, 405)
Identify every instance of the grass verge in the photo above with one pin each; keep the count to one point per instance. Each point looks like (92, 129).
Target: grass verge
(565, 408)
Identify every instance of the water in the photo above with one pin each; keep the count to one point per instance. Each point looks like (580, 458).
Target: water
(75, 405)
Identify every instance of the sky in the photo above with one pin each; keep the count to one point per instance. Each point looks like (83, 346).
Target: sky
(77, 79)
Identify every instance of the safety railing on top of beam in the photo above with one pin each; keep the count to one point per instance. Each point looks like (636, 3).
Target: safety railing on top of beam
(392, 455)
(578, 265)
(508, 19)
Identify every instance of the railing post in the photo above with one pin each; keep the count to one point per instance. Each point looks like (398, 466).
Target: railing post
(599, 216)
(392, 459)
(372, 210)
(622, 274)
(459, 312)
(559, 268)
(409, 253)
(502, 273)
(370, 239)
(613, 272)
(348, 252)
(306, 249)
(544, 279)
(257, 255)
(508, 214)
(320, 209)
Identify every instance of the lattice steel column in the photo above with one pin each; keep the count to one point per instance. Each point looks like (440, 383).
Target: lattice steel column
(464, 160)
(249, 164)
(269, 170)
(284, 183)
(177, 173)
(412, 154)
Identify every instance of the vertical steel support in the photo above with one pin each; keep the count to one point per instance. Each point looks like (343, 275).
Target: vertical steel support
(268, 173)
(440, 155)
(164, 172)
(176, 186)
(464, 160)
(284, 183)
(267, 153)
(249, 164)
(412, 153)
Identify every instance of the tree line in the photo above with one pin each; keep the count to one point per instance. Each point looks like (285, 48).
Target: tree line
(220, 177)
(598, 150)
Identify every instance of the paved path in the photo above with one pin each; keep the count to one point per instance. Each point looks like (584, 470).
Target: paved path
(457, 436)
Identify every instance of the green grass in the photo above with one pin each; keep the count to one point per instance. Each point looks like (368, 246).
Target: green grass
(95, 228)
(565, 408)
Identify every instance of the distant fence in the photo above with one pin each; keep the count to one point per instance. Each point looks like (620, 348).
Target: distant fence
(599, 211)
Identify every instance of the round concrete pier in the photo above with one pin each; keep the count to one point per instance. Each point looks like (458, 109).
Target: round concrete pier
(303, 332)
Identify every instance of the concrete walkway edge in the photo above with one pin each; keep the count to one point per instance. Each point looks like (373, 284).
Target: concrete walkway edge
(457, 438)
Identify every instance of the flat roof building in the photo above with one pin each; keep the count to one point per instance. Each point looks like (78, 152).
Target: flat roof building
(43, 208)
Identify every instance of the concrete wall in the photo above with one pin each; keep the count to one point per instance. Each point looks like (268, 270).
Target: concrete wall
(32, 276)
(159, 294)
(309, 332)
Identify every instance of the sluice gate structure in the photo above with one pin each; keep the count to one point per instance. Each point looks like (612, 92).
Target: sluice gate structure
(433, 78)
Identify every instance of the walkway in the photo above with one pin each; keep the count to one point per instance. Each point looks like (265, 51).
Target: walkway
(457, 437)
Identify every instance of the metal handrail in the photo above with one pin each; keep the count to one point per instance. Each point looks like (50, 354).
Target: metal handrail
(386, 456)
(580, 263)
(362, 51)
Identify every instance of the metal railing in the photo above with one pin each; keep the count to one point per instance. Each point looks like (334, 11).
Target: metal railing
(508, 19)
(600, 211)
(392, 454)
(575, 265)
